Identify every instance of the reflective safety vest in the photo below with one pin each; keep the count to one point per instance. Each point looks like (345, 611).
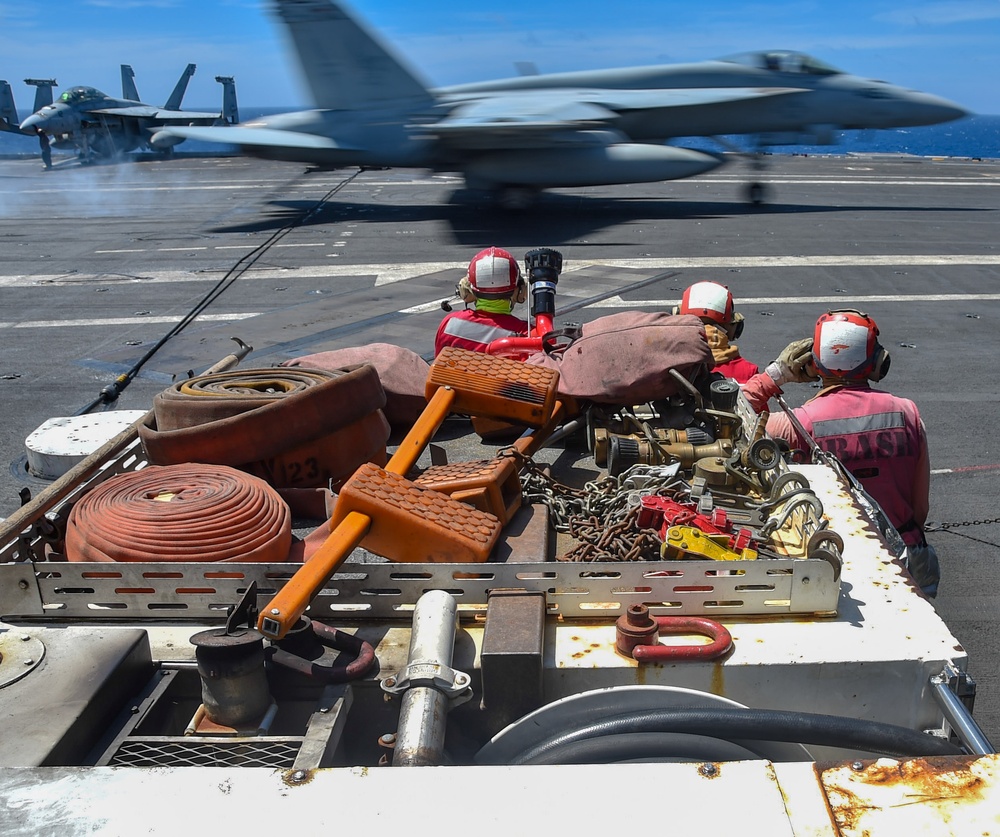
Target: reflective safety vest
(879, 438)
(475, 330)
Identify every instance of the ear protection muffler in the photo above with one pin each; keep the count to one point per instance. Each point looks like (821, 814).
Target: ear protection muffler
(735, 328)
(468, 296)
(880, 364)
(464, 289)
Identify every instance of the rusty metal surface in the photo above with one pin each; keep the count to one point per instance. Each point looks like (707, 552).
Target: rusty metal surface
(512, 652)
(954, 796)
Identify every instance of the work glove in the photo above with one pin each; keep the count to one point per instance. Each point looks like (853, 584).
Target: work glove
(794, 364)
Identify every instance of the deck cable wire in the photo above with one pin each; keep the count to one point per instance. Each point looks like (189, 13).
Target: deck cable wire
(110, 393)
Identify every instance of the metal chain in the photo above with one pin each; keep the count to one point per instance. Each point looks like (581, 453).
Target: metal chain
(935, 527)
(947, 527)
(603, 515)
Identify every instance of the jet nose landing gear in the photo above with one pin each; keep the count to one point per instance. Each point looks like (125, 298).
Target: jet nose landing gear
(756, 193)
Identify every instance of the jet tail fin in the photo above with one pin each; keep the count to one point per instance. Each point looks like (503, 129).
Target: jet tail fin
(346, 66)
(128, 84)
(8, 113)
(230, 110)
(43, 91)
(174, 102)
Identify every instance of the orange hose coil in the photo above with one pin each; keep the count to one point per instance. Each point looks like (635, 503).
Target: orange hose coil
(180, 513)
(294, 428)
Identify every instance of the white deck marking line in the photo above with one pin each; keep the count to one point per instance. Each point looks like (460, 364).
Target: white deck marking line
(222, 318)
(618, 302)
(386, 274)
(611, 302)
(960, 180)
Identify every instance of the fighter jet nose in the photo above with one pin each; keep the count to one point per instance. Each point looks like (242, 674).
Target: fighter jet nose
(31, 123)
(935, 109)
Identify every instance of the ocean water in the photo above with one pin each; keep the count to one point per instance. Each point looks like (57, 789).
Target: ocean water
(976, 137)
(970, 137)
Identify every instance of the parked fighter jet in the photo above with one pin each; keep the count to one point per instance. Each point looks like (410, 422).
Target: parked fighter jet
(8, 111)
(520, 135)
(98, 126)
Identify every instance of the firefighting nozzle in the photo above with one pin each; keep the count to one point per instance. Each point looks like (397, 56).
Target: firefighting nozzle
(724, 395)
(625, 451)
(761, 455)
(543, 267)
(727, 425)
(602, 438)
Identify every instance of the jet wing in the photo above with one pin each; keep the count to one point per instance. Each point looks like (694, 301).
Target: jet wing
(260, 137)
(554, 117)
(150, 112)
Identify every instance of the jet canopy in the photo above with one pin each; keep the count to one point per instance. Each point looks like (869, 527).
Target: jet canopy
(78, 95)
(784, 61)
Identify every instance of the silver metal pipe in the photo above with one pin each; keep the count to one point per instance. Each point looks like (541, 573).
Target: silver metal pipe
(422, 721)
(959, 719)
(423, 714)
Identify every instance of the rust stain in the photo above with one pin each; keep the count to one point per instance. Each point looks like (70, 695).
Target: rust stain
(296, 778)
(718, 679)
(943, 781)
(931, 780)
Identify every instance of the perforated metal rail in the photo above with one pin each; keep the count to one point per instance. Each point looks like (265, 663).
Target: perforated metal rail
(57, 591)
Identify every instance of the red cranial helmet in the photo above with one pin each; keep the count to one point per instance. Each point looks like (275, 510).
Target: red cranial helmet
(494, 273)
(845, 345)
(710, 300)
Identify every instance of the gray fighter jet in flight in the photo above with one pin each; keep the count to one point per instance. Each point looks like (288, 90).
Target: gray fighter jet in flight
(520, 135)
(98, 126)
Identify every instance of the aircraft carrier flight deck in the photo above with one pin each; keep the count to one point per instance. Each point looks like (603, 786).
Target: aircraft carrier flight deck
(100, 262)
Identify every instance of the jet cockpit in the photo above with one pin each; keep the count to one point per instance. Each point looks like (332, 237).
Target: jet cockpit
(784, 61)
(78, 95)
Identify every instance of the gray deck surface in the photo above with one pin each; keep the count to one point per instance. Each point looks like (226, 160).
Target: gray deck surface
(98, 263)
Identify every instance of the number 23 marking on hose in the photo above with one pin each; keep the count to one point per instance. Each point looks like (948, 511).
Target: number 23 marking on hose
(307, 470)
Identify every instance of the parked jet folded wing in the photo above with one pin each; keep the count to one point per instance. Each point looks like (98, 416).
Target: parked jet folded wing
(258, 137)
(13, 129)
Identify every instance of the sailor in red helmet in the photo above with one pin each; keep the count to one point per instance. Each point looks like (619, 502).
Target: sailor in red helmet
(880, 438)
(713, 303)
(492, 286)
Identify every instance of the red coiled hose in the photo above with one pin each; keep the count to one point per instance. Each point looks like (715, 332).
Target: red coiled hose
(180, 513)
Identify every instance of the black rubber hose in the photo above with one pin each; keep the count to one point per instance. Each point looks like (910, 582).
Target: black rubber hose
(755, 724)
(646, 746)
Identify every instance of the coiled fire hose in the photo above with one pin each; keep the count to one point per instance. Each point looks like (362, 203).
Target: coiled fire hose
(180, 513)
(293, 427)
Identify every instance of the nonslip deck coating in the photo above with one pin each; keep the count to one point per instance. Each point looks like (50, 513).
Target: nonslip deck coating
(99, 263)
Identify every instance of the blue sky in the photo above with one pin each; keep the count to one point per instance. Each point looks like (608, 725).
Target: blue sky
(950, 48)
